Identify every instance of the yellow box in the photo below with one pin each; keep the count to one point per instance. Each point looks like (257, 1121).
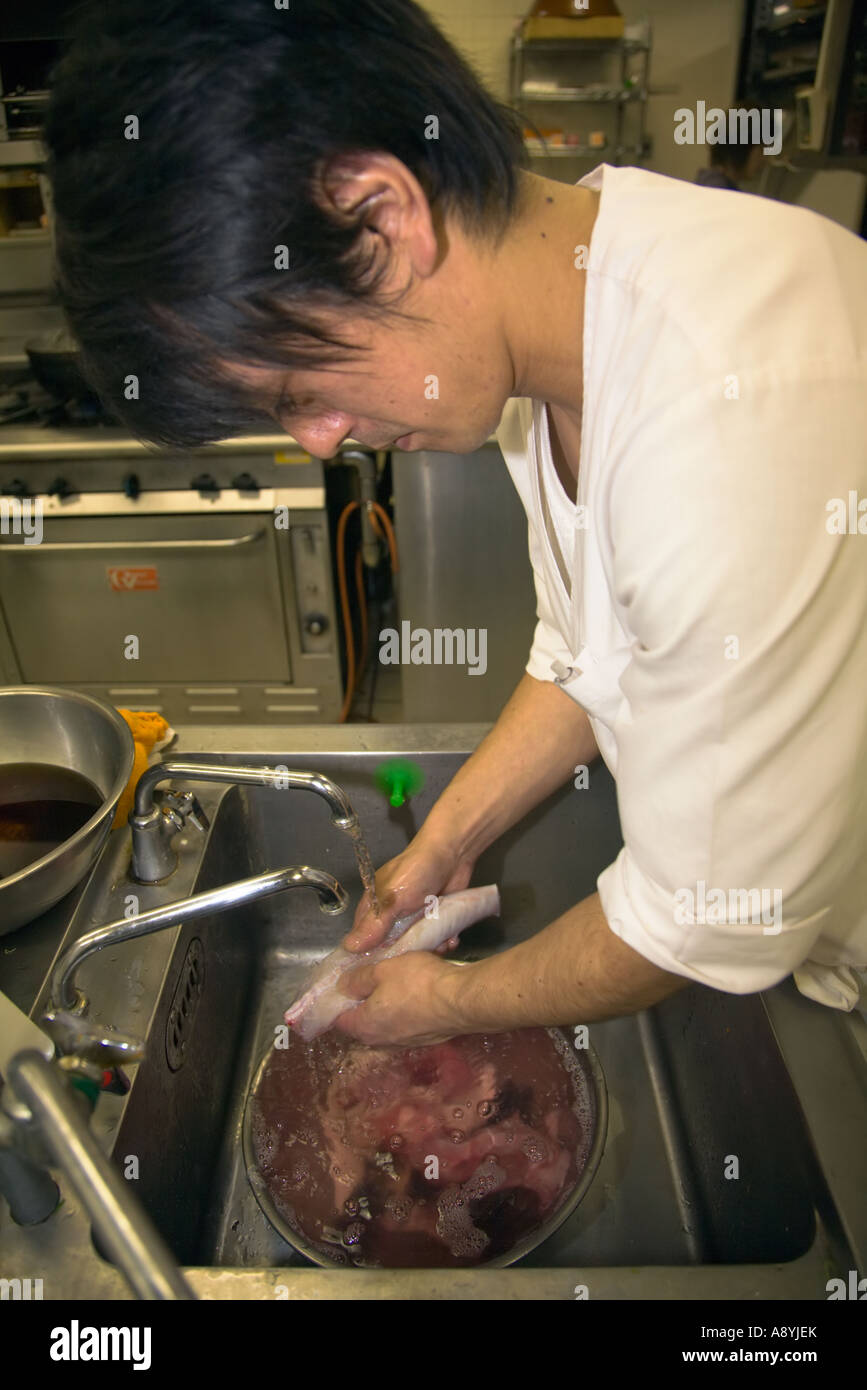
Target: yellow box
(577, 27)
(291, 456)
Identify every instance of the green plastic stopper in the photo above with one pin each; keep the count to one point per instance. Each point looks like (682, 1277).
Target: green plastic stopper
(89, 1088)
(399, 779)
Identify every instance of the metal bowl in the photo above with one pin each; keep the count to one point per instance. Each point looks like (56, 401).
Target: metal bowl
(64, 729)
(584, 1059)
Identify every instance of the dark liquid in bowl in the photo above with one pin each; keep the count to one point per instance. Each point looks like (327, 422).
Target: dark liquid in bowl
(446, 1155)
(40, 806)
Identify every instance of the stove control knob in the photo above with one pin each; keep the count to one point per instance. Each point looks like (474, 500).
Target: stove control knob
(16, 488)
(131, 486)
(245, 482)
(315, 624)
(206, 485)
(60, 488)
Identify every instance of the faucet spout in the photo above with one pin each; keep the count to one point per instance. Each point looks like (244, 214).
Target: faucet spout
(228, 773)
(153, 827)
(122, 1224)
(64, 994)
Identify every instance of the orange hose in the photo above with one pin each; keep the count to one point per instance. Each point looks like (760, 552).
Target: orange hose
(380, 512)
(362, 608)
(382, 524)
(344, 608)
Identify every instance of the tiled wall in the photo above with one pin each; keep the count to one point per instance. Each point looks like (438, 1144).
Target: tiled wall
(481, 29)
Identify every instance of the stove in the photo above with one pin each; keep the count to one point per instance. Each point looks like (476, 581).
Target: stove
(197, 584)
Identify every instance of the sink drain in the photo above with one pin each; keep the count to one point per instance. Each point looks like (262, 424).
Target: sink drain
(185, 1003)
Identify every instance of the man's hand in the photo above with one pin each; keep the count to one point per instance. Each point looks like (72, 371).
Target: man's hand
(531, 750)
(425, 868)
(407, 1001)
(574, 970)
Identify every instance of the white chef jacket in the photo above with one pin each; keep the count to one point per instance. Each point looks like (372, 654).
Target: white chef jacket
(706, 615)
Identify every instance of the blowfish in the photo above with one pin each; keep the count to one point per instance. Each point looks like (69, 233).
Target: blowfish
(321, 1002)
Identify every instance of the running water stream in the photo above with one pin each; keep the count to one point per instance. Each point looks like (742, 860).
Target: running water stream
(365, 863)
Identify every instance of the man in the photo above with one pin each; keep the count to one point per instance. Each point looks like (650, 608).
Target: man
(318, 215)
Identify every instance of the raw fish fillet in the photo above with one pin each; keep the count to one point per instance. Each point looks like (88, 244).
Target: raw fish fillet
(321, 1002)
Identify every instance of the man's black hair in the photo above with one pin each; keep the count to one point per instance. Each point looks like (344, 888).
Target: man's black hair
(165, 244)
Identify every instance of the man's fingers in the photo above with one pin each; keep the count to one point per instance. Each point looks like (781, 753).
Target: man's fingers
(348, 1023)
(366, 935)
(450, 945)
(357, 984)
(367, 930)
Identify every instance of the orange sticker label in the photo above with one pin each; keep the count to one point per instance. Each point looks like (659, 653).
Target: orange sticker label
(122, 579)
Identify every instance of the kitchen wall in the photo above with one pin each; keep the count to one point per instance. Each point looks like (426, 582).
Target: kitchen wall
(695, 55)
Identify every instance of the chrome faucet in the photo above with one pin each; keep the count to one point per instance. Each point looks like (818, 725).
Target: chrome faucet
(64, 994)
(153, 826)
(44, 1116)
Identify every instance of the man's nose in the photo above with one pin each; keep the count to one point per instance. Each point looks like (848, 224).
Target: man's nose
(322, 438)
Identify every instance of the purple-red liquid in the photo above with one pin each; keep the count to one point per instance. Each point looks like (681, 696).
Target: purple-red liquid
(429, 1156)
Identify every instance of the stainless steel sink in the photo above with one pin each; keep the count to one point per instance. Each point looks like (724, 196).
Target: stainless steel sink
(693, 1083)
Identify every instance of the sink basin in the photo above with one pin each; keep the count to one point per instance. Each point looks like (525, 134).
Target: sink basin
(711, 1184)
(693, 1083)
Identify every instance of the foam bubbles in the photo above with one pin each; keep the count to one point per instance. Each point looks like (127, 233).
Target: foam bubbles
(398, 1208)
(534, 1150)
(456, 1228)
(353, 1233)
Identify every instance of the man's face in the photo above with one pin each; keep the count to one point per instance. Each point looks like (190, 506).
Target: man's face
(419, 385)
(437, 375)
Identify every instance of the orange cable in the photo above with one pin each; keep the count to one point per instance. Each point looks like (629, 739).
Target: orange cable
(381, 513)
(354, 670)
(362, 608)
(344, 608)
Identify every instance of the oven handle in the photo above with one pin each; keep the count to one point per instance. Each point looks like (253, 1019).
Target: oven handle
(232, 543)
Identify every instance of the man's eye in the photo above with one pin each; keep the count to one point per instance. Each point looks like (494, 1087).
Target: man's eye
(294, 405)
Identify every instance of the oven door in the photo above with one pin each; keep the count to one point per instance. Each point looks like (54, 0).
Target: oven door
(184, 598)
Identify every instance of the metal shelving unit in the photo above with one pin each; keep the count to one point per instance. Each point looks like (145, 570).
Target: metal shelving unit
(622, 92)
(809, 62)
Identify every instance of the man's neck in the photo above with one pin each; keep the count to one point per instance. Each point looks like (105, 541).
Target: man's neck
(540, 280)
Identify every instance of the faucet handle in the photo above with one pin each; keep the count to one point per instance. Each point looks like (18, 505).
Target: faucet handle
(153, 858)
(188, 807)
(77, 1037)
(197, 814)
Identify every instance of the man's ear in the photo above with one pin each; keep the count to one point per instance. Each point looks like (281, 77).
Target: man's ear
(346, 184)
(377, 193)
